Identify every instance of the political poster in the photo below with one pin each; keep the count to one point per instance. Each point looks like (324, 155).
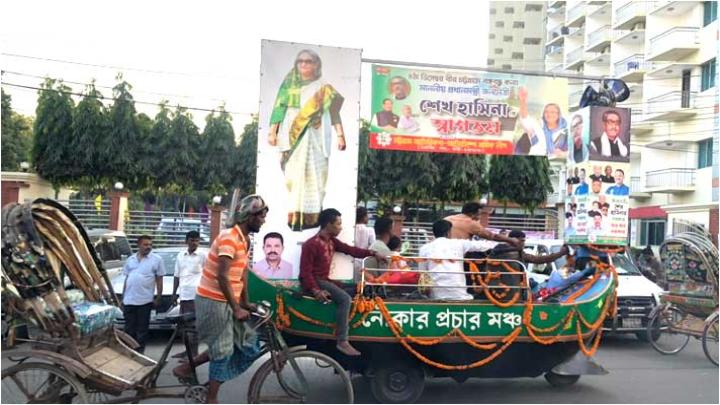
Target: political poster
(469, 112)
(597, 201)
(307, 150)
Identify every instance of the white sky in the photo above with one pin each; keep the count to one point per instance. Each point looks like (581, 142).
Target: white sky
(210, 50)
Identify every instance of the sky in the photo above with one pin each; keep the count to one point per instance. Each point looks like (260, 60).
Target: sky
(203, 54)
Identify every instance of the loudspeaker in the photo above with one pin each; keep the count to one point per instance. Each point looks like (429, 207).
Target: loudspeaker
(612, 91)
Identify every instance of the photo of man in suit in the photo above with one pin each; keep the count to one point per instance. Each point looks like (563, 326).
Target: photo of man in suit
(609, 145)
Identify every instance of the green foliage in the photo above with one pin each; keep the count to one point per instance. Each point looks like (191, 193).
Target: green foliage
(16, 136)
(246, 158)
(120, 151)
(90, 126)
(219, 152)
(463, 177)
(523, 180)
(52, 155)
(178, 157)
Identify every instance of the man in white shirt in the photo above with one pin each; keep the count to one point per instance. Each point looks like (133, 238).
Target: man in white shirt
(188, 270)
(448, 276)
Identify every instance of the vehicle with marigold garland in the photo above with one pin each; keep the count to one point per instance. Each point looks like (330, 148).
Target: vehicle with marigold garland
(505, 332)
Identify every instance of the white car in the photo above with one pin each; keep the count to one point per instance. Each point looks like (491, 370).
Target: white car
(637, 295)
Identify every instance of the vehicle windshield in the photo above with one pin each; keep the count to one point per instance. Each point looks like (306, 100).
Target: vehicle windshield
(168, 261)
(559, 262)
(625, 266)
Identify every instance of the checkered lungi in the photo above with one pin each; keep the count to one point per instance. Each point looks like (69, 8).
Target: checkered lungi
(231, 345)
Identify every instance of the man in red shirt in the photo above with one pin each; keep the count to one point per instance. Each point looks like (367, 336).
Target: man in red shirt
(315, 260)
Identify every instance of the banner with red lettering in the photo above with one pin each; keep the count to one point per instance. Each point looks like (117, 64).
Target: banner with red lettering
(450, 111)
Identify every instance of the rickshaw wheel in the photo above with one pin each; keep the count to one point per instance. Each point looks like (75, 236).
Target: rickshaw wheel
(559, 380)
(397, 383)
(659, 334)
(41, 383)
(710, 339)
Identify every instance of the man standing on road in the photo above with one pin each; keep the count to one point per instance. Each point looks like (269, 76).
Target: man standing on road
(143, 273)
(188, 269)
(222, 305)
(315, 260)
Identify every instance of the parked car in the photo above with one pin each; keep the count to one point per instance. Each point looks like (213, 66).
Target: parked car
(637, 295)
(173, 230)
(112, 247)
(157, 321)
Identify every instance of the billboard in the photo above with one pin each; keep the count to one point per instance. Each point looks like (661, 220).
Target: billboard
(470, 112)
(307, 145)
(598, 163)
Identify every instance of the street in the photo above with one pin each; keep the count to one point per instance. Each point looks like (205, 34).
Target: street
(638, 374)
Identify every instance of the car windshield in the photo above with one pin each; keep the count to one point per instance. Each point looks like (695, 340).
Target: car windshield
(624, 266)
(168, 261)
(559, 262)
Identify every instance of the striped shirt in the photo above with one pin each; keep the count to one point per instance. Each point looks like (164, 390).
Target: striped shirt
(229, 243)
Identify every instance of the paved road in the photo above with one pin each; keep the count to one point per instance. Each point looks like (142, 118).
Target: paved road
(638, 374)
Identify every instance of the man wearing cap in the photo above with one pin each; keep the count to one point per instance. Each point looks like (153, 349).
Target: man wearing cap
(221, 304)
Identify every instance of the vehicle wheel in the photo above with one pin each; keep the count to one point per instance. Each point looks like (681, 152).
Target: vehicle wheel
(197, 394)
(559, 380)
(303, 376)
(642, 336)
(397, 383)
(660, 331)
(28, 383)
(710, 339)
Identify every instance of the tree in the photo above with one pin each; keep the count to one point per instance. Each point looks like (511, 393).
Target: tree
(158, 137)
(180, 155)
(52, 153)
(90, 127)
(218, 154)
(523, 180)
(463, 177)
(246, 158)
(16, 136)
(120, 150)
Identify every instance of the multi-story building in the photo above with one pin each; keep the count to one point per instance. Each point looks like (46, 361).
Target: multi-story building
(516, 41)
(666, 51)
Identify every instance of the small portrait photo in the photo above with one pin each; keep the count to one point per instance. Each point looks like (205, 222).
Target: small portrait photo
(399, 87)
(610, 134)
(579, 137)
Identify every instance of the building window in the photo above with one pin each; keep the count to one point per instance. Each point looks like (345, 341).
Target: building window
(491, 62)
(509, 10)
(492, 35)
(517, 55)
(705, 153)
(507, 67)
(519, 24)
(493, 11)
(652, 231)
(498, 51)
(531, 41)
(709, 12)
(500, 24)
(708, 74)
(507, 38)
(533, 7)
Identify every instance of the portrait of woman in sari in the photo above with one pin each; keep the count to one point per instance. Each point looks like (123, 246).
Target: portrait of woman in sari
(305, 112)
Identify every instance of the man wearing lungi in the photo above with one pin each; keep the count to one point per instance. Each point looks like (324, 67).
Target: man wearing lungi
(221, 304)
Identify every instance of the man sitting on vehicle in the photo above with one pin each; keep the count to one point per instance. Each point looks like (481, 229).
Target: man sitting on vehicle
(447, 274)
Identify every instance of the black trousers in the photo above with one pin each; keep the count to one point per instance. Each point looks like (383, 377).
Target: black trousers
(137, 323)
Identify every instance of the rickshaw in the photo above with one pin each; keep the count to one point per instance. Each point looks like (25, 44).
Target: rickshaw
(689, 307)
(53, 278)
(507, 331)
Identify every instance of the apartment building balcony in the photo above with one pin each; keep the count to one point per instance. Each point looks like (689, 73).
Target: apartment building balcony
(631, 69)
(637, 189)
(629, 15)
(574, 98)
(660, 70)
(556, 4)
(674, 44)
(670, 181)
(598, 39)
(599, 59)
(603, 12)
(556, 8)
(630, 37)
(556, 35)
(555, 67)
(670, 8)
(672, 106)
(575, 16)
(575, 58)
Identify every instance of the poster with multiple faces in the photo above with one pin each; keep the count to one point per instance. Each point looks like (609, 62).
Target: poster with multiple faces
(307, 151)
(598, 165)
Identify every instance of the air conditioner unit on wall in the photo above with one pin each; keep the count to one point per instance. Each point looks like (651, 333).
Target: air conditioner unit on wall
(564, 30)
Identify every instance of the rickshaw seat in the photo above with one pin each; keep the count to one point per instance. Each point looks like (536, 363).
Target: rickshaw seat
(94, 316)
